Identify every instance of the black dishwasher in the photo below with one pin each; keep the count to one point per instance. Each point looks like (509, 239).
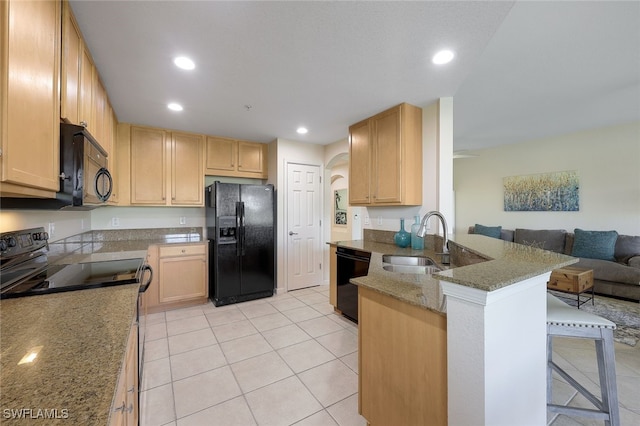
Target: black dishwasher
(351, 264)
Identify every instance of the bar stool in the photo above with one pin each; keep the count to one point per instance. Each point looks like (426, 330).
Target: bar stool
(566, 321)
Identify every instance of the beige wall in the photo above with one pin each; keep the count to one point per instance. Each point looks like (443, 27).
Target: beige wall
(608, 165)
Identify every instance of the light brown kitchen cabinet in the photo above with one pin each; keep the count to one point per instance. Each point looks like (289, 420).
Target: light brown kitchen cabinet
(124, 409)
(180, 276)
(83, 97)
(400, 387)
(111, 131)
(231, 157)
(385, 158)
(30, 91)
(71, 67)
(148, 166)
(187, 174)
(99, 110)
(86, 90)
(166, 168)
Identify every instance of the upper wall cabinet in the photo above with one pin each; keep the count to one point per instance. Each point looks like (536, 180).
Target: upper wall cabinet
(385, 158)
(166, 168)
(83, 97)
(230, 157)
(30, 103)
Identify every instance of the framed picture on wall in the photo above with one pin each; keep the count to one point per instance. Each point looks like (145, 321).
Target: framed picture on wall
(340, 206)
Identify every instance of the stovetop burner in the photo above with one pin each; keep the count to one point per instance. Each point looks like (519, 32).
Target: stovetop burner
(25, 270)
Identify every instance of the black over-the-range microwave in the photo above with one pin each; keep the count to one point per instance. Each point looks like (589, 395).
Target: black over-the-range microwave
(85, 180)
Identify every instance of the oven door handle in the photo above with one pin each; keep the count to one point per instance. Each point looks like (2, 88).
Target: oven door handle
(145, 286)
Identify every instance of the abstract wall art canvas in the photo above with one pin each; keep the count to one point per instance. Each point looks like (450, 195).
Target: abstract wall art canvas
(553, 192)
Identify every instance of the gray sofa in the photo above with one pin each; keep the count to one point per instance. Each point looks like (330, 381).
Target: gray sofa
(618, 277)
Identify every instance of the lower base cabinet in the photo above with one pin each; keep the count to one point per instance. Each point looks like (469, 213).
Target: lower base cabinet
(124, 410)
(402, 351)
(180, 276)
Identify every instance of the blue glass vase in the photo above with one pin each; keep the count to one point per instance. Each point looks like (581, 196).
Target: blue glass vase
(402, 238)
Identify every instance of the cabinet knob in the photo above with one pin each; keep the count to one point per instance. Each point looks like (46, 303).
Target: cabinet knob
(183, 250)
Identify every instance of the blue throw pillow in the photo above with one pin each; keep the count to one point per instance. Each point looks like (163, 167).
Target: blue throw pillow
(489, 231)
(594, 244)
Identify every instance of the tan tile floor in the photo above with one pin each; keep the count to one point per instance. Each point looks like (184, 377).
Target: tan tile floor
(290, 360)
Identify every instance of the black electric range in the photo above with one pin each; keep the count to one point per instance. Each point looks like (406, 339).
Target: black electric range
(25, 270)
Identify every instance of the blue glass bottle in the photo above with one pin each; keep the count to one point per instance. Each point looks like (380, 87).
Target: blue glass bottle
(402, 238)
(417, 243)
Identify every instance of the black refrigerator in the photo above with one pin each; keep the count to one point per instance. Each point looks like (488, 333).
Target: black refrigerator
(240, 223)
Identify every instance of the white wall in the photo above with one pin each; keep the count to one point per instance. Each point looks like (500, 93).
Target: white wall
(281, 152)
(608, 164)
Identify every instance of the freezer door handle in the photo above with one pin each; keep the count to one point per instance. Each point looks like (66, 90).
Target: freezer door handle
(240, 224)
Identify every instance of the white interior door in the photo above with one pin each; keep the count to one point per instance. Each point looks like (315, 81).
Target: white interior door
(304, 254)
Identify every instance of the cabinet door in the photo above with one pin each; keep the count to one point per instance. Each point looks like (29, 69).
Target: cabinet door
(387, 157)
(86, 90)
(30, 107)
(187, 170)
(112, 131)
(72, 51)
(98, 112)
(124, 410)
(359, 163)
(221, 154)
(148, 166)
(182, 278)
(250, 157)
(131, 369)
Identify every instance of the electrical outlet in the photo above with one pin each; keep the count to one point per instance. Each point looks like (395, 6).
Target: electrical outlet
(115, 221)
(367, 221)
(183, 220)
(379, 220)
(52, 229)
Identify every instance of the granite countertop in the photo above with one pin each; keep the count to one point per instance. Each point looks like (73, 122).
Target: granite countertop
(97, 246)
(82, 335)
(507, 263)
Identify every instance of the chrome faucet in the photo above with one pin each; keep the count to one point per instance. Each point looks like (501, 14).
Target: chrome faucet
(422, 231)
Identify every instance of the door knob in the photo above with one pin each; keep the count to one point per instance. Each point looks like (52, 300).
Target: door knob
(293, 233)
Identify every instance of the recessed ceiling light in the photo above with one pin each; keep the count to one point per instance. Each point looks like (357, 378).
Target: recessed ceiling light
(184, 63)
(302, 130)
(443, 57)
(175, 107)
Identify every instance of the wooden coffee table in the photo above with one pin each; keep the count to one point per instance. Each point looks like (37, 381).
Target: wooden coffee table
(574, 281)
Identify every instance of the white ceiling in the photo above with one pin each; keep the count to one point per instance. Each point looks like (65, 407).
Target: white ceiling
(522, 71)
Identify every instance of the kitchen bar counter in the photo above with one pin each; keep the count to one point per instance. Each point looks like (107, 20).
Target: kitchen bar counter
(82, 337)
(507, 263)
(495, 310)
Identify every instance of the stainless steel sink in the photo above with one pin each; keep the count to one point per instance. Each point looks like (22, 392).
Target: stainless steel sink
(408, 260)
(411, 269)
